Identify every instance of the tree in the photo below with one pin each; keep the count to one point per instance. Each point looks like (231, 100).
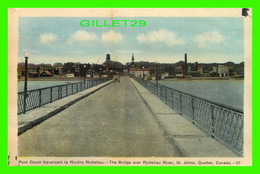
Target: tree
(57, 64)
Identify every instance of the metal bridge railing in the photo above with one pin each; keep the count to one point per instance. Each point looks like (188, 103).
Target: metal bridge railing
(38, 97)
(224, 123)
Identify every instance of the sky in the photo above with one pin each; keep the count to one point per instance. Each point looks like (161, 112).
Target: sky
(162, 39)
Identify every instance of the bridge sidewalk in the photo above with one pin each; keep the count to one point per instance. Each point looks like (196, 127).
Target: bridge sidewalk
(191, 141)
(34, 117)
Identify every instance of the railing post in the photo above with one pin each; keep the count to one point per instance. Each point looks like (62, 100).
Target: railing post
(72, 88)
(24, 102)
(160, 92)
(66, 90)
(212, 121)
(172, 98)
(156, 90)
(51, 96)
(180, 104)
(80, 85)
(192, 110)
(166, 95)
(40, 98)
(77, 87)
(58, 92)
(161, 88)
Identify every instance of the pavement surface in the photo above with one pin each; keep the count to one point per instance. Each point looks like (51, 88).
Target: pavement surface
(191, 141)
(112, 122)
(36, 116)
(119, 120)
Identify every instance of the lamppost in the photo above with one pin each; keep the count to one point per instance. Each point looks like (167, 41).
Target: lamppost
(100, 73)
(26, 56)
(143, 72)
(84, 73)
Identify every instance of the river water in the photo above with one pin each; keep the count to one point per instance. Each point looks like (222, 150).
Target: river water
(40, 84)
(227, 92)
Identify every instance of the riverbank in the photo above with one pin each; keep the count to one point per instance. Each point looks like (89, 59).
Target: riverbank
(57, 79)
(202, 78)
(82, 79)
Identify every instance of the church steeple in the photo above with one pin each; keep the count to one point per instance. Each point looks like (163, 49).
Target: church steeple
(133, 59)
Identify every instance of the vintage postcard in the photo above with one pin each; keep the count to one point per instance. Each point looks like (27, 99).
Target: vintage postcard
(130, 87)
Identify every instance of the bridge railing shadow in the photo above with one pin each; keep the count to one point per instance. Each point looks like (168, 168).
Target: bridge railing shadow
(223, 123)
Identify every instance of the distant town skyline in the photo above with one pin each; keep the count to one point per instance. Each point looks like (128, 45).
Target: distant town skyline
(163, 39)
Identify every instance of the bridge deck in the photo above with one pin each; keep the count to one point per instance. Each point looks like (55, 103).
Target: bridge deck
(119, 120)
(112, 122)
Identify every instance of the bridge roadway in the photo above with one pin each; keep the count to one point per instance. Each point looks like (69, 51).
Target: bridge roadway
(113, 122)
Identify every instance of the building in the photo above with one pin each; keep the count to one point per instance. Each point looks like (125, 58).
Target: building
(223, 71)
(39, 70)
(165, 75)
(70, 75)
(192, 70)
(200, 70)
(139, 69)
(57, 68)
(115, 66)
(46, 73)
(179, 71)
(33, 74)
(215, 69)
(142, 73)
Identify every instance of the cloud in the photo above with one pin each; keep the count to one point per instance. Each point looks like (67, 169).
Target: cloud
(203, 40)
(47, 38)
(161, 36)
(81, 36)
(112, 36)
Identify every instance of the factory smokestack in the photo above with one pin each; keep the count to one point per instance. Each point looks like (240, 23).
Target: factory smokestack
(185, 65)
(196, 66)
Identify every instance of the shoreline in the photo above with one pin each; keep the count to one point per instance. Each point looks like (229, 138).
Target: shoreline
(204, 78)
(170, 79)
(57, 79)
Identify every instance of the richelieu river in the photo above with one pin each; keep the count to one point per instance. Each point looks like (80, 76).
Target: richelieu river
(227, 92)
